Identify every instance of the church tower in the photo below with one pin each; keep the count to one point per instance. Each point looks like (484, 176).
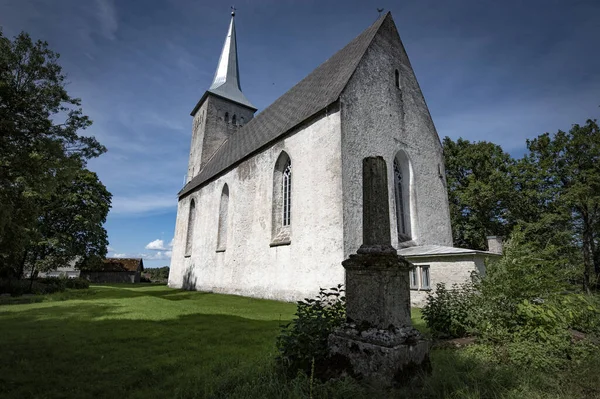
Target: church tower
(222, 109)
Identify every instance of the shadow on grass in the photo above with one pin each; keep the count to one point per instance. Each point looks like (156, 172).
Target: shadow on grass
(77, 354)
(85, 350)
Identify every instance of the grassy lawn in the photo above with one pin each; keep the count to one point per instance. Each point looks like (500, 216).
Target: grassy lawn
(134, 341)
(131, 341)
(145, 341)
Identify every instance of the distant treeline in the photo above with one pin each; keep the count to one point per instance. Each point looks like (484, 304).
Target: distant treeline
(157, 274)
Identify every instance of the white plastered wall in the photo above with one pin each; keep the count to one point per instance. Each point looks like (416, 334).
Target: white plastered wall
(249, 266)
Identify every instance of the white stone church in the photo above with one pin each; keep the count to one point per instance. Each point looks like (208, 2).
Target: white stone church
(273, 203)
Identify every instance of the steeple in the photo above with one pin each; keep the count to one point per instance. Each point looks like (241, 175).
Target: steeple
(226, 82)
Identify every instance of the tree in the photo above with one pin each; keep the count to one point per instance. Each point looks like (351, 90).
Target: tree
(560, 181)
(480, 191)
(41, 152)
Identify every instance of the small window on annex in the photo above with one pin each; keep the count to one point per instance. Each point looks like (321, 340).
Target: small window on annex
(190, 228)
(425, 283)
(234, 120)
(223, 216)
(414, 278)
(420, 278)
(397, 74)
(402, 196)
(282, 201)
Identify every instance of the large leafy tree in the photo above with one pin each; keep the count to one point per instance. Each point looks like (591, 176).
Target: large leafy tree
(480, 191)
(559, 180)
(42, 156)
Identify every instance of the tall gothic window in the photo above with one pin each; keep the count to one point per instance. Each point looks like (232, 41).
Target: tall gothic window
(282, 201)
(190, 229)
(226, 117)
(234, 120)
(287, 193)
(402, 196)
(397, 79)
(223, 215)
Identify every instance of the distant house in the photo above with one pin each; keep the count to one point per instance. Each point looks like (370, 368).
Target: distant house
(116, 270)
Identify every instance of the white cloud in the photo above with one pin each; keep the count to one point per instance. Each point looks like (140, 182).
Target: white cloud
(171, 243)
(115, 255)
(157, 245)
(110, 249)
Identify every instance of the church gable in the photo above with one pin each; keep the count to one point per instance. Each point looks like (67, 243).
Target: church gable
(383, 113)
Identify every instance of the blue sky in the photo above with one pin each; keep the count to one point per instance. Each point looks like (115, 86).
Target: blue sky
(500, 71)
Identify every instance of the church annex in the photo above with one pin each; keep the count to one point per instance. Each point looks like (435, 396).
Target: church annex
(273, 202)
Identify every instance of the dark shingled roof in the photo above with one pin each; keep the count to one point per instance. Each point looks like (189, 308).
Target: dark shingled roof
(312, 94)
(122, 265)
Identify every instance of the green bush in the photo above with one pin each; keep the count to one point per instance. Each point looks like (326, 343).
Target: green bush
(304, 340)
(450, 313)
(521, 311)
(77, 283)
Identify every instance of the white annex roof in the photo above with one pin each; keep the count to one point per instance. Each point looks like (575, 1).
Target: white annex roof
(440, 250)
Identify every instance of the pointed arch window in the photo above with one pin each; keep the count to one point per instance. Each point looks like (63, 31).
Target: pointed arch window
(223, 216)
(287, 193)
(397, 73)
(234, 119)
(226, 117)
(190, 228)
(402, 196)
(282, 201)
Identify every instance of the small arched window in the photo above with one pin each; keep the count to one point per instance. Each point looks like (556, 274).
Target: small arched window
(226, 119)
(190, 228)
(402, 196)
(287, 193)
(223, 216)
(282, 200)
(397, 78)
(242, 120)
(234, 119)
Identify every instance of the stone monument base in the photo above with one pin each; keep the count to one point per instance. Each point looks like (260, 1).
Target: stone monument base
(382, 357)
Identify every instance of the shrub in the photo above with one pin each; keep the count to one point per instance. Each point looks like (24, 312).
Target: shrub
(304, 340)
(77, 283)
(450, 313)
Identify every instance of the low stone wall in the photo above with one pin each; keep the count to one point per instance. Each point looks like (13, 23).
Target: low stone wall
(111, 277)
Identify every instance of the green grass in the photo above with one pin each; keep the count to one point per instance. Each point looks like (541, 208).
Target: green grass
(130, 341)
(149, 341)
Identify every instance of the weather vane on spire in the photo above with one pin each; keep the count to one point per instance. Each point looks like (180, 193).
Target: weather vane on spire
(380, 10)
(233, 11)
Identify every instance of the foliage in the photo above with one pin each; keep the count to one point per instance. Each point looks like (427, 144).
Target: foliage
(480, 191)
(560, 182)
(551, 194)
(77, 283)
(520, 312)
(449, 313)
(304, 340)
(158, 274)
(52, 206)
(41, 286)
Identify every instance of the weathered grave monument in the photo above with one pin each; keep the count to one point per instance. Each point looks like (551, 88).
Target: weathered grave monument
(378, 340)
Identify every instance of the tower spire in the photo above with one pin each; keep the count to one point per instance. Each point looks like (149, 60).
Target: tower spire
(226, 82)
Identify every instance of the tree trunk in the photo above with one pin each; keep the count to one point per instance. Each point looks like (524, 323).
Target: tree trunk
(588, 239)
(21, 269)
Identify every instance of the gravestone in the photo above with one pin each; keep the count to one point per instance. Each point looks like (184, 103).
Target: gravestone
(378, 342)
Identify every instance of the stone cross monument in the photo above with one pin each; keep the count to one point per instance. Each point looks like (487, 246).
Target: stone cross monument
(378, 342)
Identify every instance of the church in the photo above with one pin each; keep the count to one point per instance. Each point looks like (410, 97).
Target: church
(272, 202)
